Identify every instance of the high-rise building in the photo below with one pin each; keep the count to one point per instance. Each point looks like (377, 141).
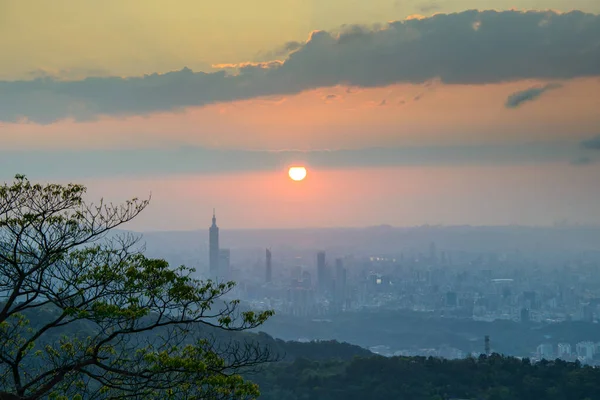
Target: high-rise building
(268, 267)
(321, 272)
(530, 300)
(545, 351)
(340, 282)
(224, 263)
(585, 350)
(213, 248)
(525, 315)
(564, 350)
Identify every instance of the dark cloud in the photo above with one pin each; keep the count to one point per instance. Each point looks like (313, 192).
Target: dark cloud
(517, 99)
(470, 47)
(591, 144)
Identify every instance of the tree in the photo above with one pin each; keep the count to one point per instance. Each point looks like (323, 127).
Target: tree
(84, 314)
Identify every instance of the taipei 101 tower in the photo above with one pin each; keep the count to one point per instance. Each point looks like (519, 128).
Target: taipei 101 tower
(213, 248)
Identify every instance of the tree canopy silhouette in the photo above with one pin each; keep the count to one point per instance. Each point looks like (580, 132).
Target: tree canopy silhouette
(140, 326)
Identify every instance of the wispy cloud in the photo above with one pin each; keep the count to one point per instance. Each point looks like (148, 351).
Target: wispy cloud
(517, 99)
(282, 51)
(505, 46)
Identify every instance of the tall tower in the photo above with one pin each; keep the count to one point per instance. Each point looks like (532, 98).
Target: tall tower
(224, 263)
(213, 248)
(269, 267)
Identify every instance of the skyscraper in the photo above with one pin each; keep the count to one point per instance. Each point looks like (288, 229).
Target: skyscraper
(213, 248)
(269, 268)
(524, 315)
(224, 263)
(321, 272)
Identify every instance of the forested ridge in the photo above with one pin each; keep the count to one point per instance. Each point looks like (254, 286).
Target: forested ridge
(495, 377)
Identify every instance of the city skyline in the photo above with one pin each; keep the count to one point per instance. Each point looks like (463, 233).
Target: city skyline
(501, 278)
(404, 113)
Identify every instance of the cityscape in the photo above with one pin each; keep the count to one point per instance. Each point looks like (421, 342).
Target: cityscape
(449, 284)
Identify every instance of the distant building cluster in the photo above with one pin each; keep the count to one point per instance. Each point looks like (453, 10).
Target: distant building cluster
(586, 352)
(302, 298)
(451, 283)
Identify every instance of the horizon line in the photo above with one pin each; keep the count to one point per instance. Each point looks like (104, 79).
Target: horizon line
(556, 225)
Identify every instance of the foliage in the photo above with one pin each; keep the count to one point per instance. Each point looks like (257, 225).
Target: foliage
(107, 322)
(319, 350)
(418, 378)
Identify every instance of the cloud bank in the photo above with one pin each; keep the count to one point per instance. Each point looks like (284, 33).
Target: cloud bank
(470, 47)
(517, 99)
(198, 160)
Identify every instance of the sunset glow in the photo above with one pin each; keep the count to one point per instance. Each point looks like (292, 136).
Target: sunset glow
(233, 91)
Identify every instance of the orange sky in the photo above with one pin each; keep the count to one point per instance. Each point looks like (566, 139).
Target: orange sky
(348, 118)
(337, 85)
(402, 196)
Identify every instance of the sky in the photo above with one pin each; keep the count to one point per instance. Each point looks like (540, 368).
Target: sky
(404, 112)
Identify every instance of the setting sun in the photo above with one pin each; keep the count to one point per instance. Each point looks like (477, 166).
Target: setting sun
(297, 173)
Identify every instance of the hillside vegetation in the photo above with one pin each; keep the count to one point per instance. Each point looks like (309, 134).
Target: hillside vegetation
(418, 378)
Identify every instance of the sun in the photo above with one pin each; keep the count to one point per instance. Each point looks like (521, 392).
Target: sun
(297, 173)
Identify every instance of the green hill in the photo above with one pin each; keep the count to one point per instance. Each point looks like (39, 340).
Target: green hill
(418, 378)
